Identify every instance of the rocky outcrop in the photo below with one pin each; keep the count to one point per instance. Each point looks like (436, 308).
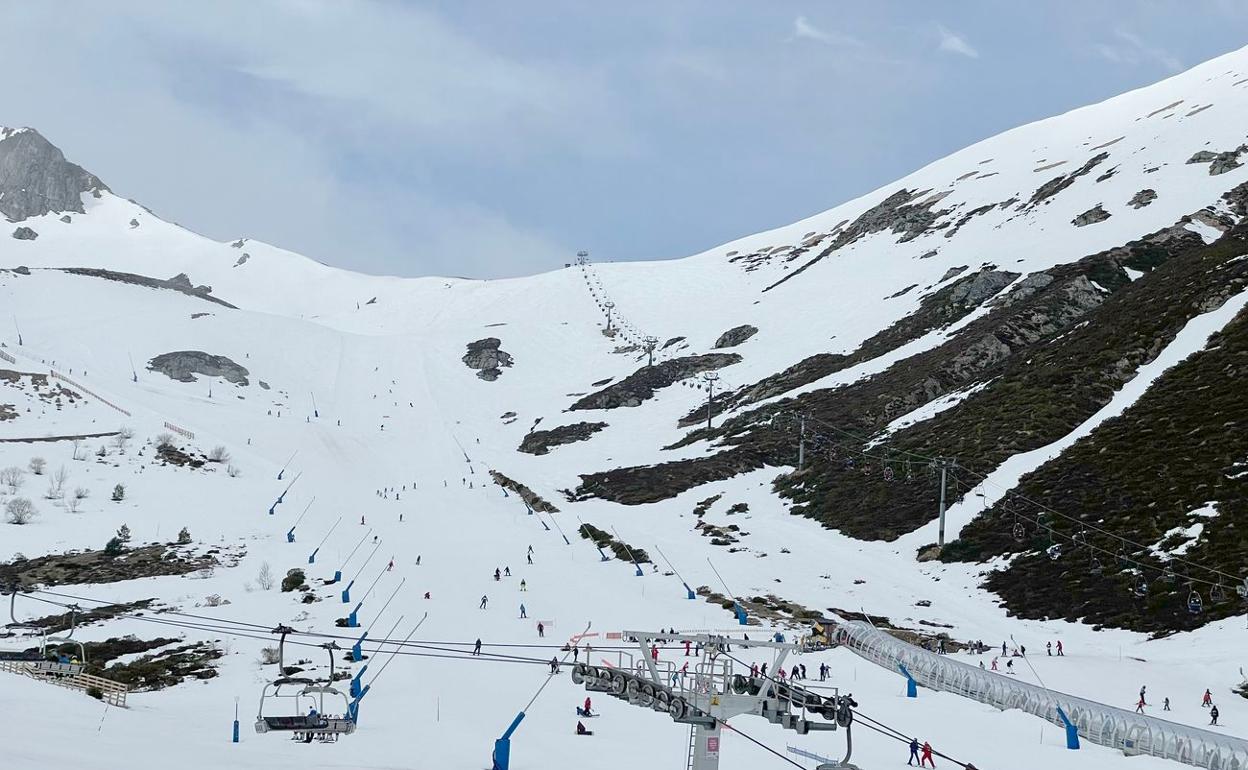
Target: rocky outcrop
(1142, 199)
(539, 442)
(1054, 186)
(735, 336)
(641, 384)
(1093, 215)
(183, 365)
(25, 234)
(905, 212)
(530, 498)
(179, 283)
(485, 356)
(1220, 162)
(35, 178)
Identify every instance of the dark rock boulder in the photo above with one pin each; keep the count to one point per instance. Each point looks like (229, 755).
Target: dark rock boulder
(642, 384)
(35, 178)
(485, 356)
(735, 336)
(25, 234)
(539, 442)
(1090, 217)
(1142, 199)
(183, 365)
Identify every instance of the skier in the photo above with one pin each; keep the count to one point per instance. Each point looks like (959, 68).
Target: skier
(417, 560)
(803, 667)
(530, 556)
(914, 752)
(1003, 649)
(427, 596)
(484, 601)
(476, 649)
(1213, 715)
(506, 571)
(1165, 704)
(1139, 707)
(588, 712)
(1048, 647)
(400, 518)
(580, 729)
(1142, 689)
(522, 612)
(1060, 654)
(994, 664)
(576, 653)
(1207, 701)
(523, 585)
(927, 755)
(390, 566)
(361, 519)
(541, 630)
(654, 652)
(1009, 667)
(688, 647)
(497, 575)
(554, 665)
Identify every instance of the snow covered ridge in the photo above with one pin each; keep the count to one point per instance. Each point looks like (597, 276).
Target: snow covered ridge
(1059, 308)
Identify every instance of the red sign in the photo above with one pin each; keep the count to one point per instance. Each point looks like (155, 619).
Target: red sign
(712, 744)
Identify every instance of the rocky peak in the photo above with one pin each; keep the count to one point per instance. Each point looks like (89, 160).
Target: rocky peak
(35, 178)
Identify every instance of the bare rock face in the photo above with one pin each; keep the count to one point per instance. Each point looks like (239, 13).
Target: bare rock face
(735, 336)
(1093, 215)
(183, 365)
(642, 384)
(1142, 199)
(485, 356)
(539, 442)
(35, 178)
(25, 234)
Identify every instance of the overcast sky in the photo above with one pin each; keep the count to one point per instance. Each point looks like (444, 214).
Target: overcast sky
(494, 137)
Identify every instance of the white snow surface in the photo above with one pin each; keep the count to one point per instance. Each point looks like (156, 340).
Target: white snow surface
(308, 330)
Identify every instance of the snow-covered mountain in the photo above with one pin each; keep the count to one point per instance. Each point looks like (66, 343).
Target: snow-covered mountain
(1054, 314)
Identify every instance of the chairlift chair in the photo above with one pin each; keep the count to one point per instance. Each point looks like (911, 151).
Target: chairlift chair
(315, 724)
(1217, 593)
(1194, 603)
(1141, 587)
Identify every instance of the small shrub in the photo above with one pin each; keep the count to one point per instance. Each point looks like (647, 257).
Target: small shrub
(184, 536)
(164, 440)
(119, 493)
(219, 454)
(214, 600)
(13, 477)
(95, 692)
(264, 578)
(293, 581)
(233, 471)
(102, 451)
(122, 438)
(269, 656)
(123, 534)
(82, 493)
(19, 510)
(37, 464)
(72, 504)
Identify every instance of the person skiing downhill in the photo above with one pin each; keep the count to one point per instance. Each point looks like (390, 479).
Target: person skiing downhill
(476, 649)
(914, 752)
(523, 614)
(484, 601)
(688, 647)
(1060, 654)
(927, 755)
(554, 665)
(541, 630)
(1213, 715)
(524, 586)
(1206, 701)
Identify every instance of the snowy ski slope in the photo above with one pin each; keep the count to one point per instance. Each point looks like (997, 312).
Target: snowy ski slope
(308, 330)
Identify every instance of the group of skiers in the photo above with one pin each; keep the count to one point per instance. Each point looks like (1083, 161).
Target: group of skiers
(1206, 701)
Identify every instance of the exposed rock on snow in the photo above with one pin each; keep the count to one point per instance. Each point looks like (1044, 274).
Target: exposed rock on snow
(735, 336)
(179, 283)
(1054, 186)
(1093, 215)
(539, 442)
(25, 234)
(35, 178)
(485, 356)
(531, 498)
(641, 384)
(183, 365)
(1142, 199)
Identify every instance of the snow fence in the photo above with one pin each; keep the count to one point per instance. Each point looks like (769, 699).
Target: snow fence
(1127, 731)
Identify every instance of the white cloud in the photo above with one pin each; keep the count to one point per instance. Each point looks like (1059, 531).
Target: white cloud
(952, 42)
(803, 29)
(1130, 49)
